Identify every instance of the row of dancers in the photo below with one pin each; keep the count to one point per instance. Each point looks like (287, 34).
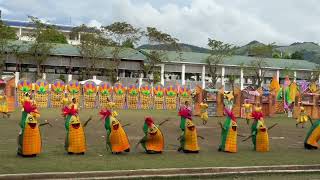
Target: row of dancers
(29, 141)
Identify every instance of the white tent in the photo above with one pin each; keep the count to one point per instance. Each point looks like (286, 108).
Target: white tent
(97, 81)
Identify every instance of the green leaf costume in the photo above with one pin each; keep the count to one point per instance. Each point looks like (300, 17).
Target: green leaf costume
(313, 136)
(229, 134)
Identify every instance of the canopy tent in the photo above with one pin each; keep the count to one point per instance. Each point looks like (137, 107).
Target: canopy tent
(97, 81)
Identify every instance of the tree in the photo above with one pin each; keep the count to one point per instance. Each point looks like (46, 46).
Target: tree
(259, 63)
(92, 47)
(6, 35)
(51, 35)
(157, 56)
(41, 47)
(19, 54)
(125, 36)
(264, 51)
(218, 51)
(297, 55)
(232, 79)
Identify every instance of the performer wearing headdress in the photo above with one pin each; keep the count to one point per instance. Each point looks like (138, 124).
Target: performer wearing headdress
(259, 131)
(204, 112)
(153, 140)
(303, 117)
(29, 141)
(70, 110)
(75, 142)
(229, 133)
(189, 138)
(313, 136)
(117, 139)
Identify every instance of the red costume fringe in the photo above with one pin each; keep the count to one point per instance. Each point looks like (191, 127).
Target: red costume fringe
(230, 115)
(186, 113)
(28, 107)
(104, 113)
(257, 115)
(69, 111)
(149, 121)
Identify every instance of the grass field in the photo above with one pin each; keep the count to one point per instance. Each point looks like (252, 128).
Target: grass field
(280, 176)
(286, 150)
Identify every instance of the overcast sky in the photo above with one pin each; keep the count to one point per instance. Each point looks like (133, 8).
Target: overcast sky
(192, 21)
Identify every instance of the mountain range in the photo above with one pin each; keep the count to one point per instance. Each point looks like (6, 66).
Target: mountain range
(310, 51)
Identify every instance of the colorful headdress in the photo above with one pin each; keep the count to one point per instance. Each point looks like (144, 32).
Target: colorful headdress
(28, 107)
(184, 92)
(73, 87)
(24, 85)
(171, 91)
(119, 89)
(58, 86)
(105, 89)
(158, 90)
(228, 95)
(42, 86)
(145, 90)
(90, 88)
(133, 90)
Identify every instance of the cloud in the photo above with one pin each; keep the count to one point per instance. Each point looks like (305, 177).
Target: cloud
(94, 23)
(5, 11)
(191, 21)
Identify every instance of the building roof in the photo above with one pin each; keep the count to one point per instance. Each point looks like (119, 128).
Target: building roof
(200, 58)
(176, 57)
(72, 50)
(26, 24)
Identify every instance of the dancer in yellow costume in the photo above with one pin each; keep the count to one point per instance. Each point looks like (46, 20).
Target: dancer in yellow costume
(117, 139)
(204, 112)
(247, 110)
(65, 100)
(303, 118)
(4, 105)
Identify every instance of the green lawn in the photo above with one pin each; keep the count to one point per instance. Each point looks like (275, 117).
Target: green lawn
(286, 150)
(280, 176)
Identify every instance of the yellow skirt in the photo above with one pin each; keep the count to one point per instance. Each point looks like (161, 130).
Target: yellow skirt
(303, 119)
(204, 116)
(4, 107)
